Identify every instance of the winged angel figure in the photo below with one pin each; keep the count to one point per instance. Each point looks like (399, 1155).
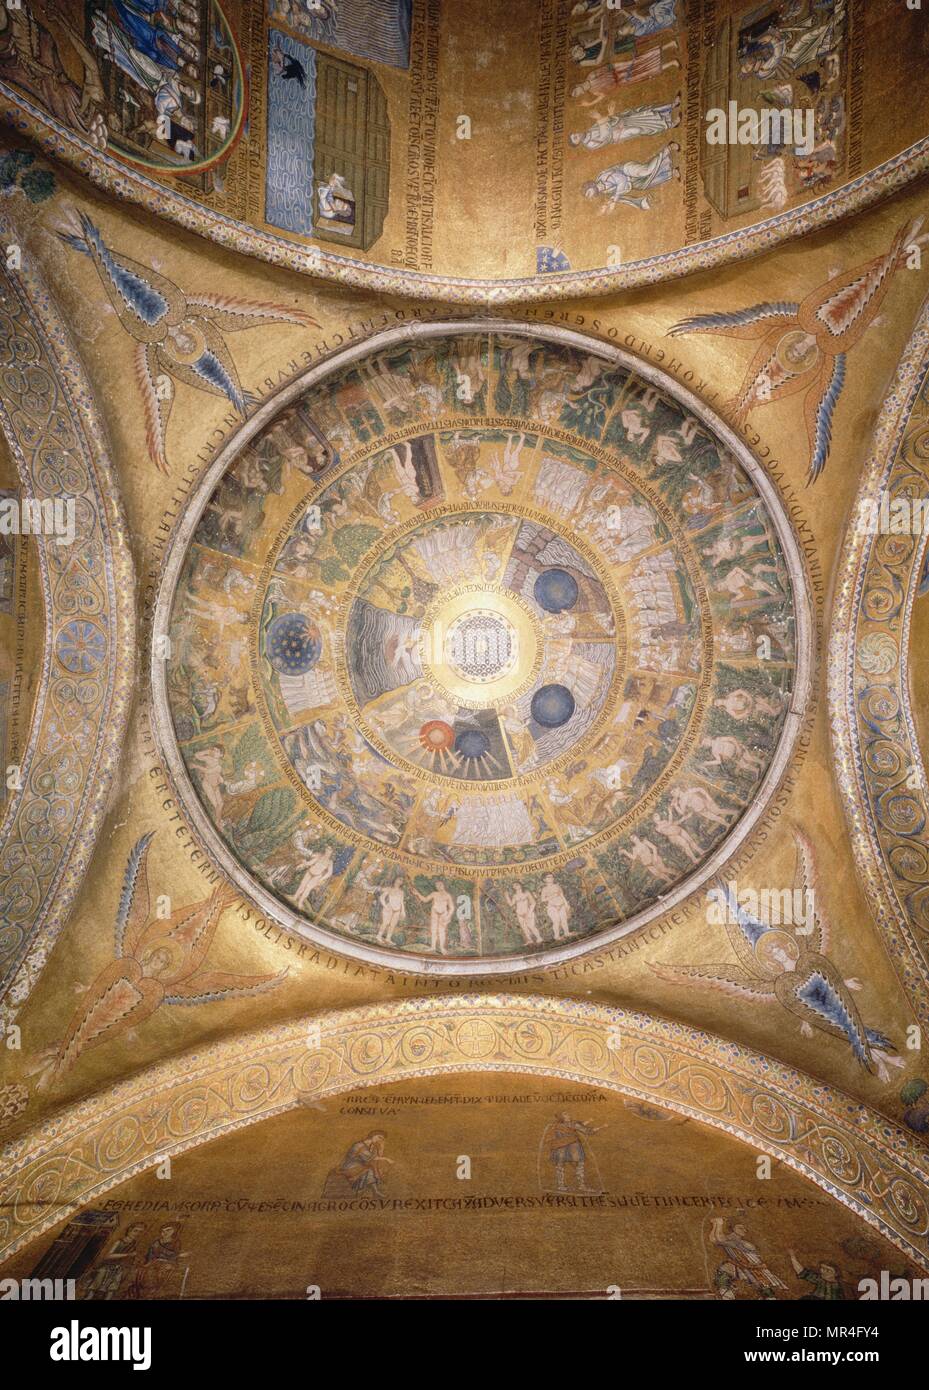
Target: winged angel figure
(158, 961)
(803, 345)
(789, 967)
(179, 337)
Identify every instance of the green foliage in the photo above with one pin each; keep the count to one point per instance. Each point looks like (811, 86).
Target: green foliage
(38, 185)
(17, 171)
(587, 415)
(511, 399)
(913, 1090)
(251, 747)
(352, 541)
(331, 572)
(271, 808)
(12, 165)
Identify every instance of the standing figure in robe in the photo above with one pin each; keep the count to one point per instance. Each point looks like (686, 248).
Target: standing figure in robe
(626, 125)
(631, 182)
(564, 1145)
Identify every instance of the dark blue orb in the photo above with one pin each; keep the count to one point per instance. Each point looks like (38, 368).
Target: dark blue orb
(555, 591)
(293, 644)
(552, 706)
(472, 743)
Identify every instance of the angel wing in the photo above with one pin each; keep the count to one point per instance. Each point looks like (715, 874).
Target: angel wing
(816, 993)
(839, 311)
(135, 906)
(207, 986)
(191, 929)
(234, 314)
(213, 370)
(157, 390)
(119, 998)
(729, 979)
(819, 407)
(754, 322)
(816, 939)
(743, 931)
(147, 303)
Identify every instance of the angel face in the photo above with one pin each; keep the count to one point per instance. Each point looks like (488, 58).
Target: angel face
(797, 351)
(156, 963)
(777, 951)
(188, 344)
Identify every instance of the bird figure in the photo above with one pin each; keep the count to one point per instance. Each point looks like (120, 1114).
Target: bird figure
(288, 68)
(179, 337)
(789, 967)
(158, 961)
(803, 345)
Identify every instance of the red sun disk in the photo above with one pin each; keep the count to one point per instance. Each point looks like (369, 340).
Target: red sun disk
(436, 735)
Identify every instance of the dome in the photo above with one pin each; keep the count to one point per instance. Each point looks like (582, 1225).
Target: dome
(507, 667)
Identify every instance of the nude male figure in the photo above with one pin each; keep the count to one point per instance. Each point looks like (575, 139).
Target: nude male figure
(442, 907)
(393, 910)
(318, 871)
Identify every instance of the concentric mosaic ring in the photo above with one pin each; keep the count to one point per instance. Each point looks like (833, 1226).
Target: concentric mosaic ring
(494, 680)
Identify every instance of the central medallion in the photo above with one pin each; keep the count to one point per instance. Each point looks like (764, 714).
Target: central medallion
(486, 684)
(479, 645)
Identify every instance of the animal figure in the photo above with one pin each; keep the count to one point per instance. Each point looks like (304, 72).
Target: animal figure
(288, 68)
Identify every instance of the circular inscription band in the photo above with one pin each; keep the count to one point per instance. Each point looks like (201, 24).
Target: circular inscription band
(471, 687)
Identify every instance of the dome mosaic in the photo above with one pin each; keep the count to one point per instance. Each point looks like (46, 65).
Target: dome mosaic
(482, 647)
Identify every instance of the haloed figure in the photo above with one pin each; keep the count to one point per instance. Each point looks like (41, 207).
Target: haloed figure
(161, 1265)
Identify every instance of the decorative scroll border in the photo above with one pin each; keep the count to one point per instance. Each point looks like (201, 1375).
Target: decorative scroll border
(868, 1163)
(168, 579)
(132, 186)
(51, 424)
(880, 769)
